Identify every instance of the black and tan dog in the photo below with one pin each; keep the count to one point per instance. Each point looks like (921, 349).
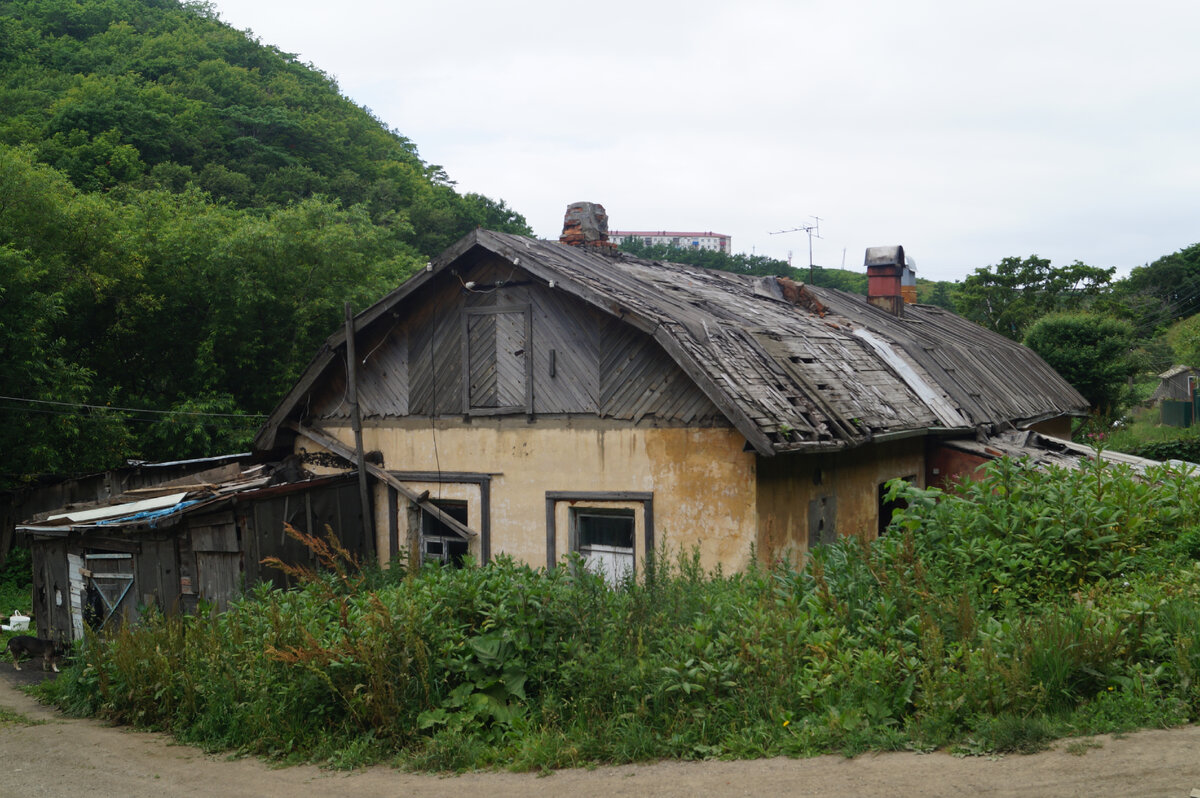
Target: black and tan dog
(29, 646)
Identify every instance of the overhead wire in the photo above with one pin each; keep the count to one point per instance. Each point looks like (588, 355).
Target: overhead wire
(132, 409)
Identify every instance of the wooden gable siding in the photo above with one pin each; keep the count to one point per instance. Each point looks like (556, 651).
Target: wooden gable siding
(578, 359)
(566, 354)
(639, 379)
(434, 355)
(385, 387)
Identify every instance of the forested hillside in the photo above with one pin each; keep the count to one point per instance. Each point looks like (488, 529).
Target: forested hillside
(183, 212)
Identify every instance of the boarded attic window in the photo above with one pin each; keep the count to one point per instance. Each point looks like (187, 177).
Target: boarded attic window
(498, 360)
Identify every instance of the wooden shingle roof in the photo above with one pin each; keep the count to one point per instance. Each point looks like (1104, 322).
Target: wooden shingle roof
(792, 367)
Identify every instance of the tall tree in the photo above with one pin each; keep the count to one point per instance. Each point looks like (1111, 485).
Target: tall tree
(1092, 352)
(1011, 295)
(1164, 291)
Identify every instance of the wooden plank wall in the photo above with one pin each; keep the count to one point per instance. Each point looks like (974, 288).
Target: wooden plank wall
(157, 574)
(50, 574)
(218, 558)
(583, 361)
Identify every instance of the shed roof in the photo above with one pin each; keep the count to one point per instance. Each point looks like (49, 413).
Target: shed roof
(792, 367)
(1175, 371)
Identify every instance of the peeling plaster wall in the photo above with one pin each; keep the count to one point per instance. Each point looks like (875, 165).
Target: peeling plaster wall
(841, 487)
(702, 480)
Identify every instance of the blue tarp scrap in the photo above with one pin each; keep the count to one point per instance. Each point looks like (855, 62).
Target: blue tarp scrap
(149, 515)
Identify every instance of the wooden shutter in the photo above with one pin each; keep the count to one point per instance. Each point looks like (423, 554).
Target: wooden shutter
(498, 360)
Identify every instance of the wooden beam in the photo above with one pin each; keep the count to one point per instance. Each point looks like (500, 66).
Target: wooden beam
(331, 443)
(364, 498)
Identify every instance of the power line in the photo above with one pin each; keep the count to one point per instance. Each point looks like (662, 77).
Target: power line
(247, 421)
(78, 405)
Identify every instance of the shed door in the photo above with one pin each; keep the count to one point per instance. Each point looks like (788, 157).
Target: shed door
(107, 591)
(218, 560)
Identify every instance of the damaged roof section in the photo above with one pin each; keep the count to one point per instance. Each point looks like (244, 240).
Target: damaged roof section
(793, 367)
(154, 507)
(1042, 451)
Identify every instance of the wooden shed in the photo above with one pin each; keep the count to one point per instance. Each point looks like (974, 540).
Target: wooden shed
(105, 564)
(1177, 383)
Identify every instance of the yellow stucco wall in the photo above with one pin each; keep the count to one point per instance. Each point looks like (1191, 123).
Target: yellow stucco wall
(702, 480)
(849, 481)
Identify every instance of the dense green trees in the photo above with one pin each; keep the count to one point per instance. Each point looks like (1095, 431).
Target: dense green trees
(1011, 295)
(1096, 331)
(183, 213)
(1183, 337)
(1092, 352)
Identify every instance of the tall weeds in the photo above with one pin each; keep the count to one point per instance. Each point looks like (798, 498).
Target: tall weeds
(1022, 606)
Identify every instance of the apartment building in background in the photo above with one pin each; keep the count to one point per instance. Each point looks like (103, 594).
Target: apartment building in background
(718, 242)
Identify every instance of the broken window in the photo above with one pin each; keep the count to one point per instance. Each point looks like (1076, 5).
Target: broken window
(887, 508)
(498, 360)
(108, 579)
(605, 539)
(440, 543)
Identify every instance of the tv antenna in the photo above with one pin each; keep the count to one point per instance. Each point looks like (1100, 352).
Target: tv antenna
(814, 231)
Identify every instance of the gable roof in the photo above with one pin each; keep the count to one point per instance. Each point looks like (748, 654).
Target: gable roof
(816, 369)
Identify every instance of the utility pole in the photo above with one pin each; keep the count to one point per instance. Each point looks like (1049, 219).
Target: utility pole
(814, 231)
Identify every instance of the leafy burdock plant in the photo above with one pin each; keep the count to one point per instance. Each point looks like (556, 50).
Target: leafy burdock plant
(990, 617)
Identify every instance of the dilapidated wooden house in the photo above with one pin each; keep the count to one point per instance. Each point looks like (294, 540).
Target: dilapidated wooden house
(537, 398)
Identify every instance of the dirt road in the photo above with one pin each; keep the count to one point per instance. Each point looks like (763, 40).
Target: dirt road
(63, 756)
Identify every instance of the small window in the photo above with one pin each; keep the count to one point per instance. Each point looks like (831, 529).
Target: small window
(440, 543)
(605, 538)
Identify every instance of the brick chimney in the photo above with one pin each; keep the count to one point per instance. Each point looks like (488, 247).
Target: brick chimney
(586, 224)
(885, 274)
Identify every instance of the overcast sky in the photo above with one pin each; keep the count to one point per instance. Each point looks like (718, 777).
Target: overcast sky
(965, 131)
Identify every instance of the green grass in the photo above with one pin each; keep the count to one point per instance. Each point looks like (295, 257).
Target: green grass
(1008, 613)
(10, 718)
(1144, 434)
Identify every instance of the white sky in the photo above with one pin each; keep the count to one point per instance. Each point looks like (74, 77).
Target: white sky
(965, 131)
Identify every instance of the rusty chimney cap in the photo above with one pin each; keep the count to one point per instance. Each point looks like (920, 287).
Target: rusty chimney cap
(885, 256)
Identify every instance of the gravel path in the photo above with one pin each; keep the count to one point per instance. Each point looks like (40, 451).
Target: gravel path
(63, 756)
